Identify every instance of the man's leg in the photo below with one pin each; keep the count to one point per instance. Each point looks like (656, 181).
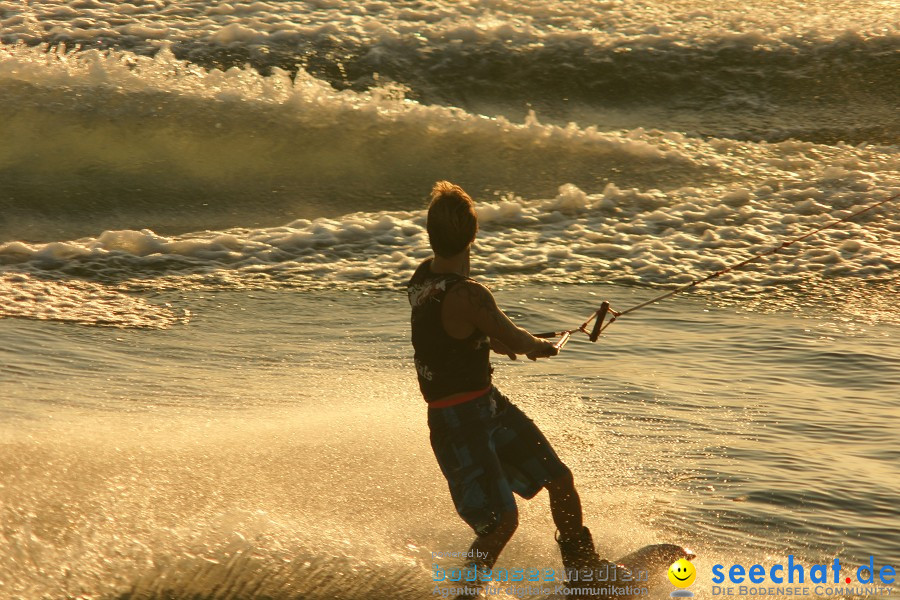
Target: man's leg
(462, 441)
(490, 545)
(531, 464)
(487, 547)
(565, 506)
(575, 541)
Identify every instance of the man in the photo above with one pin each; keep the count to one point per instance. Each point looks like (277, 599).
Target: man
(486, 447)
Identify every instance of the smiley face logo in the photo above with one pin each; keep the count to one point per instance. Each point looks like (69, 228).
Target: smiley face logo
(682, 573)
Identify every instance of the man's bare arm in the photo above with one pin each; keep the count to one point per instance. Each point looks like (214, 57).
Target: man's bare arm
(498, 347)
(473, 304)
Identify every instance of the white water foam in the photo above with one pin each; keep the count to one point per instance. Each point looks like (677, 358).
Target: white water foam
(626, 236)
(438, 24)
(742, 198)
(310, 100)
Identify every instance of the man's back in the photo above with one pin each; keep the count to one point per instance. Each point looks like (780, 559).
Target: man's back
(447, 363)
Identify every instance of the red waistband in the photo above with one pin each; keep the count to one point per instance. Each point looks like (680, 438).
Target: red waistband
(464, 397)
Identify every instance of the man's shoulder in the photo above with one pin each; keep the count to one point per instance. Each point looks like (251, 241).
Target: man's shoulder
(468, 286)
(468, 293)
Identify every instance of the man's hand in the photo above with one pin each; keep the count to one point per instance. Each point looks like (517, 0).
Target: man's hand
(545, 349)
(501, 348)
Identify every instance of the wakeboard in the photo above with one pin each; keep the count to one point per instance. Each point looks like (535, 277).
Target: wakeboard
(654, 560)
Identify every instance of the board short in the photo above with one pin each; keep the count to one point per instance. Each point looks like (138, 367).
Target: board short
(488, 449)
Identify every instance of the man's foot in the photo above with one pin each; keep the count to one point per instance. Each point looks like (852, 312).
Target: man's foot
(585, 569)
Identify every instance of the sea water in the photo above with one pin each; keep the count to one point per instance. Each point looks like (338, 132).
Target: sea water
(208, 211)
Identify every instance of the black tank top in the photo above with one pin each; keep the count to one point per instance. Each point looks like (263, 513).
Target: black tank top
(445, 365)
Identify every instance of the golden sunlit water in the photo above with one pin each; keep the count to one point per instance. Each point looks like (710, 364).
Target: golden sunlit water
(209, 210)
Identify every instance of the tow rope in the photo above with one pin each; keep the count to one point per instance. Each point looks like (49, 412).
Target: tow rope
(599, 316)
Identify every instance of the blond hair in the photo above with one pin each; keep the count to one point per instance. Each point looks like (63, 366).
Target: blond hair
(452, 222)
